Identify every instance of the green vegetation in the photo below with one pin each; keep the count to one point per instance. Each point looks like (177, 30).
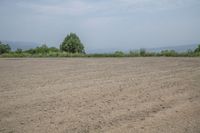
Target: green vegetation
(72, 44)
(33, 53)
(72, 47)
(44, 51)
(197, 50)
(169, 53)
(4, 48)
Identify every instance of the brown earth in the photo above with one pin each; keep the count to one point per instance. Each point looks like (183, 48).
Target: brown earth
(114, 95)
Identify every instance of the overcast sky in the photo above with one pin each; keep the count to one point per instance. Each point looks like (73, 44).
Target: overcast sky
(102, 24)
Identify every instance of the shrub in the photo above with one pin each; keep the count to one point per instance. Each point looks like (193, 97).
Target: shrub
(134, 53)
(19, 51)
(42, 49)
(118, 54)
(53, 49)
(197, 50)
(30, 51)
(4, 48)
(169, 53)
(142, 52)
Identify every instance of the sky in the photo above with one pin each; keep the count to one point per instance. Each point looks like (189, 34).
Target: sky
(102, 24)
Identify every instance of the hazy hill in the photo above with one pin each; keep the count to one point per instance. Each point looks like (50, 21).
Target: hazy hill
(180, 48)
(21, 44)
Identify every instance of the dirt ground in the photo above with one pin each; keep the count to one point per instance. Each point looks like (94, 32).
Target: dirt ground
(113, 95)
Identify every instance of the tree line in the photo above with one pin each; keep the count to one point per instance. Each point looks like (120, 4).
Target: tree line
(73, 47)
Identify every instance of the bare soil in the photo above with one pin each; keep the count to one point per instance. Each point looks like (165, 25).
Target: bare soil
(113, 95)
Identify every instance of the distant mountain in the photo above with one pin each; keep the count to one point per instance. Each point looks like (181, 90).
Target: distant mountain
(20, 44)
(180, 48)
(99, 51)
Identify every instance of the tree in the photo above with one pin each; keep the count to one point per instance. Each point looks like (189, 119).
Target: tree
(42, 49)
(53, 49)
(142, 52)
(19, 50)
(197, 50)
(72, 44)
(4, 48)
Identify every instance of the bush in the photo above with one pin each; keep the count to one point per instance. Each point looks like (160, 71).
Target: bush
(14, 54)
(134, 53)
(150, 54)
(52, 54)
(197, 50)
(4, 48)
(142, 52)
(42, 49)
(45, 51)
(30, 51)
(19, 51)
(169, 53)
(53, 49)
(118, 54)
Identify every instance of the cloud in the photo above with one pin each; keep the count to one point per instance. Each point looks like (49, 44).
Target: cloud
(72, 8)
(103, 7)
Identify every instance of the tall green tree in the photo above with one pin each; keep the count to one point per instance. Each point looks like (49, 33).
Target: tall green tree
(4, 48)
(72, 44)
